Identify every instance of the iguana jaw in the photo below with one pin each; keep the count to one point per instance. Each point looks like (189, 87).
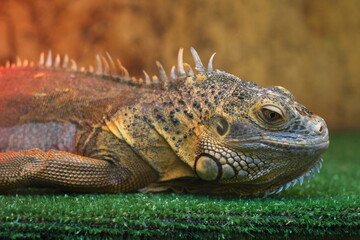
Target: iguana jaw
(278, 174)
(265, 163)
(275, 185)
(301, 160)
(311, 172)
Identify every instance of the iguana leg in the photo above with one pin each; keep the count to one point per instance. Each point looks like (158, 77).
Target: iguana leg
(70, 172)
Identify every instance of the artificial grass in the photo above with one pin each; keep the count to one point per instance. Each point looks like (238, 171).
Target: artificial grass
(327, 207)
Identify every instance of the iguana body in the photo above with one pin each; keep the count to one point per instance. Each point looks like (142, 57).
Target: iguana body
(206, 131)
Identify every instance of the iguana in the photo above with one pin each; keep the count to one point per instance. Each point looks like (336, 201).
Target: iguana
(98, 130)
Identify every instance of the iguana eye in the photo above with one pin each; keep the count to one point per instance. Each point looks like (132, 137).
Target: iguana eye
(271, 114)
(222, 126)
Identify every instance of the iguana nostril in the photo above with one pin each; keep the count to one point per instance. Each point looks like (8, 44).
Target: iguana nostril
(319, 126)
(321, 130)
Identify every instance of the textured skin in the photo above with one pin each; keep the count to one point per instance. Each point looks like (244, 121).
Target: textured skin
(201, 132)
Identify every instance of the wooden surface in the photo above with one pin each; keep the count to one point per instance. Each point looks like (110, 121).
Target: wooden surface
(310, 47)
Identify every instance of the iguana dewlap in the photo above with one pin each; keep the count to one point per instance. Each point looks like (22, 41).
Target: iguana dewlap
(197, 131)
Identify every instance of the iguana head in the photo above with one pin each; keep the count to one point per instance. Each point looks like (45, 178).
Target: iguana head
(256, 140)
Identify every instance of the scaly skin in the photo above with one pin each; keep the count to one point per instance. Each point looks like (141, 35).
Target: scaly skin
(206, 131)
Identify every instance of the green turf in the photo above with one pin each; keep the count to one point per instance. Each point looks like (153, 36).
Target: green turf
(328, 206)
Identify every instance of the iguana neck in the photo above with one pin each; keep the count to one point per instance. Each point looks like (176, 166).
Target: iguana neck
(162, 129)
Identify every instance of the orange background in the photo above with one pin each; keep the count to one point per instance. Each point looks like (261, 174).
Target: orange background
(310, 47)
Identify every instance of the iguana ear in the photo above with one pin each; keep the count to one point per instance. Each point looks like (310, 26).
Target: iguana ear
(222, 126)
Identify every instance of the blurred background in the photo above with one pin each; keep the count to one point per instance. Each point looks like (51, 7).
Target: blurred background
(310, 47)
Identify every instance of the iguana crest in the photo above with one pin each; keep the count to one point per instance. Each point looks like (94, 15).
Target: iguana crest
(106, 66)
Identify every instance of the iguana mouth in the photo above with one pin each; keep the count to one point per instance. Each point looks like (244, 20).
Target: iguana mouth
(298, 146)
